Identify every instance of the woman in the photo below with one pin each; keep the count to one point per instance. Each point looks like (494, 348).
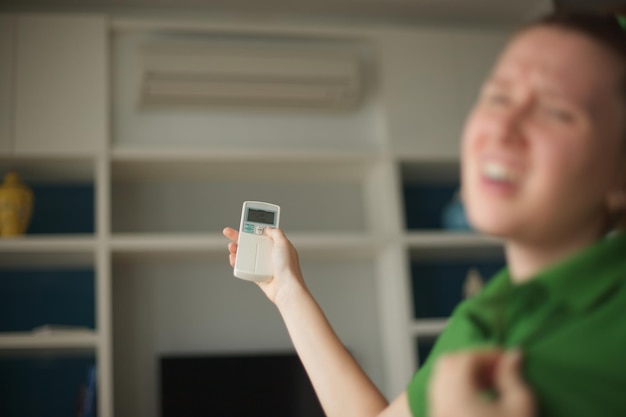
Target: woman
(544, 168)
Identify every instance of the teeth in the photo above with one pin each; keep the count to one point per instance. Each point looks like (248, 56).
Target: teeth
(498, 172)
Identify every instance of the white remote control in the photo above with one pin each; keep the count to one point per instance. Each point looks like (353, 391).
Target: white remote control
(253, 261)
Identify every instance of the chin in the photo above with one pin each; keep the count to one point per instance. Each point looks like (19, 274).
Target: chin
(491, 222)
(493, 231)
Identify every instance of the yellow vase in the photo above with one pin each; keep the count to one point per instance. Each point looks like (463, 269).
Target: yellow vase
(16, 206)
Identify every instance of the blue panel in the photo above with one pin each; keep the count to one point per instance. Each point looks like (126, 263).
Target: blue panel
(438, 286)
(62, 208)
(424, 347)
(424, 204)
(42, 386)
(30, 298)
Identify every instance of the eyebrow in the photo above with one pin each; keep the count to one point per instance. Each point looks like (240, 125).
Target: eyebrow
(544, 89)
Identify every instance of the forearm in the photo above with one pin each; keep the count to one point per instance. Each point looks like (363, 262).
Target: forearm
(343, 388)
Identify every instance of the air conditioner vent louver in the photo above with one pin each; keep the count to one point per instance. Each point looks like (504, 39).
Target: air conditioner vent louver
(240, 75)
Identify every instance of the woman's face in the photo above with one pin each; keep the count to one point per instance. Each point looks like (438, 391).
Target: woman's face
(543, 146)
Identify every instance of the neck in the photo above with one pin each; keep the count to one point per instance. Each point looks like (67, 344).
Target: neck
(526, 259)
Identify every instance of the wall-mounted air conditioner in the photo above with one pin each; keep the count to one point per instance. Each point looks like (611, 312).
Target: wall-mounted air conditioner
(250, 74)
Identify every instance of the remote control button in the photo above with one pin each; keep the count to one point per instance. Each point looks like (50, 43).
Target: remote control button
(259, 230)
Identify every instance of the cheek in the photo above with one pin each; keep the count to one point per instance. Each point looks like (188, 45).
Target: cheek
(473, 136)
(470, 175)
(473, 141)
(565, 167)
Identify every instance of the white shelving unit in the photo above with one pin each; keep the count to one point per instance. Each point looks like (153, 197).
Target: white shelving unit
(167, 181)
(53, 130)
(27, 341)
(309, 245)
(428, 327)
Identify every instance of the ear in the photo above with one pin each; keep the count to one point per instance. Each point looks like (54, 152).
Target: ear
(616, 210)
(616, 201)
(616, 198)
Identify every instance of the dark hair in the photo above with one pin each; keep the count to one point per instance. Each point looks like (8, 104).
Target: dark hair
(603, 27)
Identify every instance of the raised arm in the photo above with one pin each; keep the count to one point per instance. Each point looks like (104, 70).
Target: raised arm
(343, 389)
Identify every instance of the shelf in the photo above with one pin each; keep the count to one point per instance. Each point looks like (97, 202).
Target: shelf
(50, 168)
(451, 245)
(176, 246)
(215, 246)
(51, 244)
(162, 153)
(416, 169)
(447, 239)
(427, 327)
(335, 246)
(47, 250)
(136, 163)
(322, 244)
(61, 341)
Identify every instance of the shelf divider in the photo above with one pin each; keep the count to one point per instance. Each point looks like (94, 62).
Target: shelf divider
(48, 251)
(59, 341)
(428, 327)
(315, 245)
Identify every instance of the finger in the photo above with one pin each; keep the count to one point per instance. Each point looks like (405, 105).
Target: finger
(479, 367)
(449, 383)
(231, 233)
(232, 248)
(231, 259)
(512, 388)
(469, 372)
(508, 371)
(485, 367)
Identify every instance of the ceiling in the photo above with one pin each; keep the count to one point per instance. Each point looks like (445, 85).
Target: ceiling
(454, 11)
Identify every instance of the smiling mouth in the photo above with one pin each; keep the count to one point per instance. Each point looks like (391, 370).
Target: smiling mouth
(495, 171)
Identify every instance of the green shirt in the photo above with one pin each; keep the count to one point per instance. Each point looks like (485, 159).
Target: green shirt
(570, 323)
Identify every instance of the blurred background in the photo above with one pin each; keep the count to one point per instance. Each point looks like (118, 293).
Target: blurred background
(136, 130)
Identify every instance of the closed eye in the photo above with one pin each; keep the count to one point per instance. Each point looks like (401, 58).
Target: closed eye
(559, 114)
(496, 98)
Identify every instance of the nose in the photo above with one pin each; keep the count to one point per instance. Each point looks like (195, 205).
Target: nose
(509, 127)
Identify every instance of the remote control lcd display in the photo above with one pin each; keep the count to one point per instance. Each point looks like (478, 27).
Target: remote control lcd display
(261, 216)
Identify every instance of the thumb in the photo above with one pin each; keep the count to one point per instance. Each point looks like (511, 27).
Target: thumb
(514, 393)
(277, 235)
(274, 233)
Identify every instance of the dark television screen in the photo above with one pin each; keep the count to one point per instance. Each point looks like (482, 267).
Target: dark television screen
(269, 385)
